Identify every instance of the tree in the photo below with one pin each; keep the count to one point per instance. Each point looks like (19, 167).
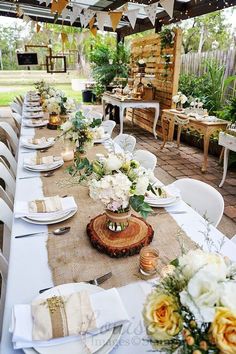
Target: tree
(199, 33)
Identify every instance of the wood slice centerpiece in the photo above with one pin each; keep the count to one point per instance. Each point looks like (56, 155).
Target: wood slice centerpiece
(119, 244)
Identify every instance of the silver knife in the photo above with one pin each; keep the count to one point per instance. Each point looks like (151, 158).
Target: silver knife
(96, 281)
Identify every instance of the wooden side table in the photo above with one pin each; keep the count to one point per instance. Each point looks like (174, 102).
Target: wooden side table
(229, 143)
(202, 127)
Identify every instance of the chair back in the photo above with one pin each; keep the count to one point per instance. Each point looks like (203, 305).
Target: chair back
(203, 198)
(126, 142)
(108, 126)
(11, 135)
(146, 159)
(6, 153)
(6, 176)
(16, 107)
(7, 198)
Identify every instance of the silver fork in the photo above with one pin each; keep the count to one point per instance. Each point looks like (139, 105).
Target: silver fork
(95, 281)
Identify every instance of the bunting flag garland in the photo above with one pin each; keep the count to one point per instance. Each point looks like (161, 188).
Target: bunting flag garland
(91, 22)
(54, 6)
(168, 5)
(70, 38)
(82, 19)
(88, 15)
(132, 16)
(94, 31)
(65, 13)
(115, 18)
(61, 5)
(102, 18)
(151, 11)
(19, 11)
(64, 38)
(75, 13)
(38, 27)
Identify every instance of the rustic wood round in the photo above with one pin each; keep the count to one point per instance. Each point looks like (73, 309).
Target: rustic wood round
(119, 244)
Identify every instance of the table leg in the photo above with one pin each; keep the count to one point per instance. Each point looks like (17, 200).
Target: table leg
(221, 154)
(104, 108)
(157, 112)
(121, 110)
(178, 135)
(226, 158)
(206, 147)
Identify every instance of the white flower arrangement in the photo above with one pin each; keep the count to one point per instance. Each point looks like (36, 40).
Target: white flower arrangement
(117, 181)
(197, 294)
(179, 98)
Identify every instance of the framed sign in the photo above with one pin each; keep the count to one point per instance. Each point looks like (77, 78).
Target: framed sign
(27, 59)
(56, 63)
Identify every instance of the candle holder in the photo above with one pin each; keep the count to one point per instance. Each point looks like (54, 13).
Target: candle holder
(148, 260)
(68, 151)
(54, 121)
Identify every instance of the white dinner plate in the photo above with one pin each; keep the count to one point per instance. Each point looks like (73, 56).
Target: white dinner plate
(50, 142)
(33, 115)
(36, 124)
(33, 109)
(44, 168)
(163, 204)
(102, 140)
(101, 343)
(50, 222)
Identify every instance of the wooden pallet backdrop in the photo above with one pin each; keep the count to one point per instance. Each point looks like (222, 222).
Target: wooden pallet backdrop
(165, 80)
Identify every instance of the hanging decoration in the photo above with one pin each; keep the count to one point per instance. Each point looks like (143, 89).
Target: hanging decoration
(102, 18)
(132, 16)
(115, 17)
(151, 11)
(38, 27)
(64, 38)
(91, 22)
(94, 31)
(19, 11)
(168, 5)
(75, 13)
(88, 15)
(65, 13)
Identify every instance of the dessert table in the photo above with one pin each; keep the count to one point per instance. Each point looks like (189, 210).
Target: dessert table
(30, 269)
(124, 103)
(205, 128)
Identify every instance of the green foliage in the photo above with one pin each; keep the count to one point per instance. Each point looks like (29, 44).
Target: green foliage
(210, 87)
(229, 111)
(108, 62)
(138, 204)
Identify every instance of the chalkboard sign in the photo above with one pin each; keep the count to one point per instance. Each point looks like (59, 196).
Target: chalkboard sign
(27, 59)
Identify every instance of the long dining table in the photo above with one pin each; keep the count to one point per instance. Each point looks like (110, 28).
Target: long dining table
(29, 269)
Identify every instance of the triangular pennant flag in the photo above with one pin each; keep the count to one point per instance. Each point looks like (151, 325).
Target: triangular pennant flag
(64, 37)
(61, 4)
(151, 11)
(47, 2)
(26, 19)
(88, 15)
(19, 11)
(94, 31)
(65, 13)
(38, 27)
(101, 19)
(75, 13)
(124, 8)
(70, 37)
(91, 22)
(168, 5)
(115, 17)
(81, 19)
(54, 6)
(132, 16)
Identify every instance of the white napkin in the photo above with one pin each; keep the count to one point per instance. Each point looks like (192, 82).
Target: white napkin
(45, 161)
(43, 142)
(30, 115)
(172, 194)
(22, 209)
(107, 306)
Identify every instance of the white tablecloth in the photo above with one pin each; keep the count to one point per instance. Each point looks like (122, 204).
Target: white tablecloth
(29, 271)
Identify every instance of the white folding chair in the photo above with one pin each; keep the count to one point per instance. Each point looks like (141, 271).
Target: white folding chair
(6, 153)
(94, 114)
(108, 126)
(17, 119)
(7, 199)
(203, 198)
(11, 135)
(9, 181)
(4, 272)
(146, 159)
(18, 100)
(125, 141)
(6, 216)
(16, 107)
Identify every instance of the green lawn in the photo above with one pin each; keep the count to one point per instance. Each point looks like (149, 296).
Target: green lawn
(7, 96)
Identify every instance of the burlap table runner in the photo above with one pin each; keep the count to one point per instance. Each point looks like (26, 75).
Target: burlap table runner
(72, 258)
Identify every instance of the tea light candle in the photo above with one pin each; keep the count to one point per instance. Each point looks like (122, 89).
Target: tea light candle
(148, 260)
(67, 155)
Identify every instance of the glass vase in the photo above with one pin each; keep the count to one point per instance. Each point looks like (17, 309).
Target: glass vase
(117, 221)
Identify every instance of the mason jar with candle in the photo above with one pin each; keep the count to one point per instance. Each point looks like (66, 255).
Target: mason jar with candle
(148, 260)
(68, 150)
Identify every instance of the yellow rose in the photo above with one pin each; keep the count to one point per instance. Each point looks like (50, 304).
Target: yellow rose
(223, 330)
(161, 316)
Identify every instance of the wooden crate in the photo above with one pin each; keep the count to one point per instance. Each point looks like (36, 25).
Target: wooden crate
(164, 80)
